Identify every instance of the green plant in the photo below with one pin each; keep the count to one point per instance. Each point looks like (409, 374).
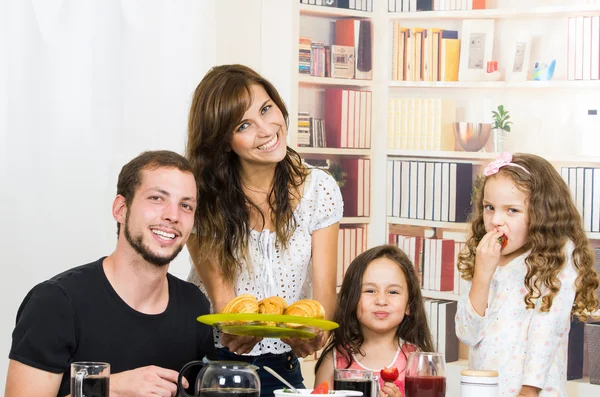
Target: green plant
(335, 169)
(501, 118)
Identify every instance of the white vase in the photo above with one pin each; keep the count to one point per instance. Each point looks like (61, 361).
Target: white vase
(498, 140)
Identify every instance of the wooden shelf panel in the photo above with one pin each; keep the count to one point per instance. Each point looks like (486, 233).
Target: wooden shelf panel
(502, 13)
(327, 152)
(355, 220)
(332, 12)
(530, 84)
(304, 79)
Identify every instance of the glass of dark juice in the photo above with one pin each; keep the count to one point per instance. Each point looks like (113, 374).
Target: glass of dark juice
(425, 375)
(357, 380)
(90, 379)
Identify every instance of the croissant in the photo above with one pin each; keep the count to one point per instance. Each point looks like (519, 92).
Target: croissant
(246, 303)
(272, 305)
(305, 308)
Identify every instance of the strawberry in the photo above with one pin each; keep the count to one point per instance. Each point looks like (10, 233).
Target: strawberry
(322, 388)
(503, 241)
(389, 374)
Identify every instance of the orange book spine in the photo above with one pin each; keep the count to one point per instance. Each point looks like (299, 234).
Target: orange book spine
(479, 4)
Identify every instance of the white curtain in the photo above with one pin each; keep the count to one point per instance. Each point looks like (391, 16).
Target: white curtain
(85, 85)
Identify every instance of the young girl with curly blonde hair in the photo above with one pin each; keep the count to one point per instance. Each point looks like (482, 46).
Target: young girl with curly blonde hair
(529, 268)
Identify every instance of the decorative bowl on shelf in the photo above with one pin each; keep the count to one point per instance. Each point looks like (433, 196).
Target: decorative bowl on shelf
(472, 137)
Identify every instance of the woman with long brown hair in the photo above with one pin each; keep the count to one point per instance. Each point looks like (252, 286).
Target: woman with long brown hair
(266, 223)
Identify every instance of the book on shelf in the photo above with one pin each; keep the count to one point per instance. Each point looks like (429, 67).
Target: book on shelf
(357, 33)
(583, 48)
(434, 5)
(304, 55)
(348, 118)
(359, 5)
(311, 131)
(356, 192)
(446, 190)
(434, 260)
(351, 243)
(441, 320)
(424, 54)
(421, 124)
(584, 184)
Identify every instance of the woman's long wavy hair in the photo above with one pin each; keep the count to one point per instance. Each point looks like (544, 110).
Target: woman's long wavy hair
(347, 339)
(553, 220)
(223, 213)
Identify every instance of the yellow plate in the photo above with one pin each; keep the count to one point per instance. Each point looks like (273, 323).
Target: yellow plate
(255, 325)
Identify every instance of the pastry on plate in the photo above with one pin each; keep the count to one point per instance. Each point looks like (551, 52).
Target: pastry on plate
(272, 305)
(246, 303)
(305, 308)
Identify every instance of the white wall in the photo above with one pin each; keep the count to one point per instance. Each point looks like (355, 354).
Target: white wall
(84, 87)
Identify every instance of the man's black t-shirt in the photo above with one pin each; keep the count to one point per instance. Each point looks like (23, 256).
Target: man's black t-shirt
(78, 316)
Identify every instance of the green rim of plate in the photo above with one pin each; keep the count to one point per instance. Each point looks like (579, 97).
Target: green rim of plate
(217, 319)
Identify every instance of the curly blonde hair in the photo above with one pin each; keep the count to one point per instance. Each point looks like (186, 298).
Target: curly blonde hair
(553, 220)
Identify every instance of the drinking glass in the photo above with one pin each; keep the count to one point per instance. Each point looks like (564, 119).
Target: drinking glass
(358, 380)
(90, 379)
(425, 375)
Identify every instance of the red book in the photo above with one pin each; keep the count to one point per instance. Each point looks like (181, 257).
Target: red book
(336, 117)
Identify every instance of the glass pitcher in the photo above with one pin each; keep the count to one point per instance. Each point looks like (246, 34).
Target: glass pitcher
(220, 379)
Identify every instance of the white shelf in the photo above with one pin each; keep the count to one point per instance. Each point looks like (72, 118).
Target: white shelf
(355, 220)
(593, 235)
(423, 223)
(332, 12)
(324, 151)
(445, 155)
(502, 13)
(304, 79)
(446, 295)
(530, 84)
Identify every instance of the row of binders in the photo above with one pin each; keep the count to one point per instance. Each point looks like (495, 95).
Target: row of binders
(441, 320)
(359, 5)
(352, 241)
(434, 5)
(583, 48)
(348, 118)
(429, 190)
(421, 124)
(434, 260)
(584, 184)
(425, 54)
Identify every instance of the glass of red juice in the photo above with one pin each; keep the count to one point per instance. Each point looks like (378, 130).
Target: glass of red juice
(425, 375)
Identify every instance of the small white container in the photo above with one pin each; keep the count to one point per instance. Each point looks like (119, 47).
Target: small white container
(477, 383)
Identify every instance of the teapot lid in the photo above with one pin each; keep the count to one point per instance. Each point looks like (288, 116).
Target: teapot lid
(230, 364)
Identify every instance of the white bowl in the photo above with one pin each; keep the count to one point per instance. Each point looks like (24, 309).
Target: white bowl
(306, 392)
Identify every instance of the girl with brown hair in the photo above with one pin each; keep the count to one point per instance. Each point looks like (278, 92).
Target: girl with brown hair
(529, 268)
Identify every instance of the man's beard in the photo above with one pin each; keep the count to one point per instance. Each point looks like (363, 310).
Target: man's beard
(138, 245)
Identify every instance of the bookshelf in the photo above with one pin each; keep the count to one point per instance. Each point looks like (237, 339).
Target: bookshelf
(318, 24)
(546, 113)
